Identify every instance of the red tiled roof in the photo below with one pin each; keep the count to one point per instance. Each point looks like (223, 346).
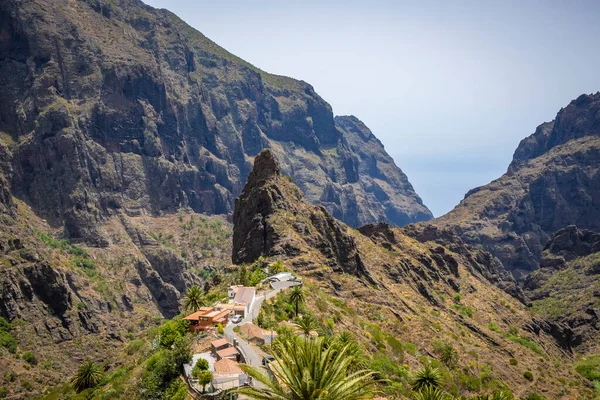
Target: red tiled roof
(230, 351)
(219, 343)
(227, 366)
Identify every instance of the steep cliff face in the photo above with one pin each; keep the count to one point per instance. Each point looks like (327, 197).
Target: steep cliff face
(552, 182)
(122, 107)
(566, 288)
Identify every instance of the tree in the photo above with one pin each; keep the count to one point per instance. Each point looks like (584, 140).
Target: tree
(297, 298)
(243, 275)
(194, 299)
(308, 370)
(201, 364)
(204, 378)
(171, 330)
(428, 376)
(449, 356)
(307, 324)
(88, 375)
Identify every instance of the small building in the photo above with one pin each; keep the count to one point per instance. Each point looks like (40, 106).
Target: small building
(219, 345)
(229, 352)
(233, 290)
(281, 277)
(244, 296)
(256, 334)
(228, 375)
(206, 317)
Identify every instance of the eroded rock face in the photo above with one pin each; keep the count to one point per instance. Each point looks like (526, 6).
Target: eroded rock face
(158, 117)
(552, 182)
(270, 206)
(478, 261)
(564, 288)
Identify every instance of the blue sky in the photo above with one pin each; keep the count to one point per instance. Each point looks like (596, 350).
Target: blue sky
(450, 87)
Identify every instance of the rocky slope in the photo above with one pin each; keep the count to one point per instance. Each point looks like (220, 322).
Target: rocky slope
(66, 303)
(566, 288)
(125, 108)
(422, 286)
(552, 182)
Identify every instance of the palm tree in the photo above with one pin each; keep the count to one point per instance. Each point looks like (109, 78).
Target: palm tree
(431, 393)
(193, 299)
(297, 298)
(307, 370)
(88, 375)
(449, 356)
(428, 376)
(307, 324)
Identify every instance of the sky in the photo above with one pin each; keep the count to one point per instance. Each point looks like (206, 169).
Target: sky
(449, 87)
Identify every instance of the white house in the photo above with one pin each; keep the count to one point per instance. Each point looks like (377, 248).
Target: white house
(242, 295)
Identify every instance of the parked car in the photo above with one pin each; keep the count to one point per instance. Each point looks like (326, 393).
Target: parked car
(267, 359)
(236, 319)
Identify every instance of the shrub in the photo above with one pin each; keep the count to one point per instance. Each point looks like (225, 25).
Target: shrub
(201, 364)
(7, 339)
(134, 346)
(27, 385)
(427, 376)
(220, 329)
(534, 396)
(172, 330)
(525, 342)
(589, 367)
(513, 361)
(528, 375)
(88, 375)
(464, 310)
(29, 357)
(449, 356)
(3, 393)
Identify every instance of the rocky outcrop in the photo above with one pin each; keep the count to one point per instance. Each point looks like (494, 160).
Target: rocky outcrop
(271, 218)
(478, 261)
(125, 108)
(552, 182)
(564, 288)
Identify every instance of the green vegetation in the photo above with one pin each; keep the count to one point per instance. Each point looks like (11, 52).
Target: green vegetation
(303, 368)
(7, 339)
(194, 299)
(88, 375)
(307, 323)
(171, 331)
(426, 377)
(29, 357)
(463, 310)
(297, 298)
(589, 367)
(159, 379)
(528, 375)
(204, 378)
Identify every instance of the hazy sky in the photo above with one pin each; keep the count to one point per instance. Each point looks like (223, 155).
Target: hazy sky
(450, 87)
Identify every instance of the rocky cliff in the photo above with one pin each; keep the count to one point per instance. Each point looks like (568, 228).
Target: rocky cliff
(552, 182)
(113, 106)
(566, 287)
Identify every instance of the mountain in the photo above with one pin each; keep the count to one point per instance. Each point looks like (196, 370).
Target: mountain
(113, 106)
(421, 286)
(566, 287)
(552, 182)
